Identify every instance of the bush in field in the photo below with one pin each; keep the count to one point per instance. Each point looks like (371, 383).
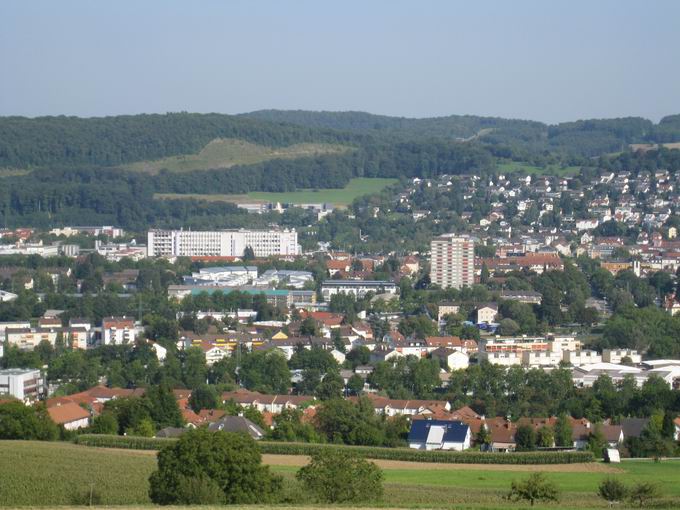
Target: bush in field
(193, 469)
(642, 493)
(336, 476)
(535, 488)
(612, 490)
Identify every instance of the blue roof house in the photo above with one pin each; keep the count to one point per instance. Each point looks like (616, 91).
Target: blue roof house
(439, 435)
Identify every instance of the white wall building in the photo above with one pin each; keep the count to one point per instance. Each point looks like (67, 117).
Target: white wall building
(541, 358)
(221, 243)
(616, 355)
(584, 357)
(357, 287)
(506, 359)
(22, 384)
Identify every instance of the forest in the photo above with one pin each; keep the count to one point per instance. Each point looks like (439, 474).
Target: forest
(73, 174)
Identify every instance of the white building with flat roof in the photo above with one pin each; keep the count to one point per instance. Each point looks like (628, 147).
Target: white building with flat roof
(452, 261)
(359, 288)
(616, 356)
(222, 243)
(21, 383)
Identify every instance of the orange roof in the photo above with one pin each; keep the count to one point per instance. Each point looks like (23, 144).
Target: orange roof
(67, 413)
(339, 265)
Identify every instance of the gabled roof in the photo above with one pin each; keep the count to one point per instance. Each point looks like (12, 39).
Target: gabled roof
(437, 431)
(67, 413)
(237, 424)
(633, 427)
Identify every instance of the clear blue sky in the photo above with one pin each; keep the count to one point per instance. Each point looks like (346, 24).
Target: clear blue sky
(545, 60)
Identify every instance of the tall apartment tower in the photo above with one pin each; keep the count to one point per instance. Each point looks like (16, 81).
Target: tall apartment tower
(453, 261)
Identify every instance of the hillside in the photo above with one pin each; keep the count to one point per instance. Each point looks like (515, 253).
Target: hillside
(585, 138)
(112, 141)
(229, 152)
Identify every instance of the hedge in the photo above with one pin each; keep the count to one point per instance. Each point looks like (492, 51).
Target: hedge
(404, 454)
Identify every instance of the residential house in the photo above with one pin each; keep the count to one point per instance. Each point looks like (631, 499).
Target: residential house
(439, 435)
(70, 415)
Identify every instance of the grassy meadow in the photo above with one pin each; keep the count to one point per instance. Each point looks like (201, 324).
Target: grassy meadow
(50, 474)
(227, 152)
(339, 197)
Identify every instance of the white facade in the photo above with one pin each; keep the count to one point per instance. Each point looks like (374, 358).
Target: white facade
(357, 287)
(118, 331)
(584, 357)
(616, 355)
(506, 359)
(22, 384)
(221, 243)
(452, 261)
(541, 358)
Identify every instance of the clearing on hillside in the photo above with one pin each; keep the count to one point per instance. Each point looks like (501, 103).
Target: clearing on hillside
(339, 197)
(516, 166)
(228, 152)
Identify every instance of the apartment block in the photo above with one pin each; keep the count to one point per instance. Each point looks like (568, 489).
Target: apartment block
(22, 384)
(452, 263)
(222, 243)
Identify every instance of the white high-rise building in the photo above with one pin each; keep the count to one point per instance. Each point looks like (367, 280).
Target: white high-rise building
(453, 261)
(221, 243)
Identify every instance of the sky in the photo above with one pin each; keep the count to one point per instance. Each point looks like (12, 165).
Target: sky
(547, 60)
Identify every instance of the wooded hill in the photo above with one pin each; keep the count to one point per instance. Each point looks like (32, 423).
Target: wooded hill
(584, 138)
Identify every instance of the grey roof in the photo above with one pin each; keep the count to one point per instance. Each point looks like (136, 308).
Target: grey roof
(237, 424)
(171, 432)
(633, 427)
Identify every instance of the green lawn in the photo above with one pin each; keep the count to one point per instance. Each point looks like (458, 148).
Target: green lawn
(515, 166)
(339, 197)
(50, 474)
(227, 152)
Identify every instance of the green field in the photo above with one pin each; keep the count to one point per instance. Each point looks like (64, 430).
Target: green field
(339, 197)
(226, 152)
(515, 166)
(50, 474)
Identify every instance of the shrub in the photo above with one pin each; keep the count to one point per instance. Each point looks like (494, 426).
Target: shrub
(642, 493)
(201, 461)
(535, 488)
(612, 490)
(335, 476)
(199, 490)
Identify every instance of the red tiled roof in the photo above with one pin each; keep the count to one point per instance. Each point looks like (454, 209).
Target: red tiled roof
(67, 413)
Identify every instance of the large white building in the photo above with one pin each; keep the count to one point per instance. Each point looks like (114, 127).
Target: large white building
(23, 384)
(359, 288)
(453, 261)
(221, 243)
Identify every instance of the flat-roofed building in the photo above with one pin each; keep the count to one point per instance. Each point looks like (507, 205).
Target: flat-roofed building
(22, 384)
(359, 288)
(222, 243)
(452, 262)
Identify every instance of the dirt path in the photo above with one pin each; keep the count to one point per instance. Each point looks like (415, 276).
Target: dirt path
(301, 460)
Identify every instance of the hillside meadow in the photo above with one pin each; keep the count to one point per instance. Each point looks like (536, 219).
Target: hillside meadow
(50, 474)
(339, 197)
(225, 153)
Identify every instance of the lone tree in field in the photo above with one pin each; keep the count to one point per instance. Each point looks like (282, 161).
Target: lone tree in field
(335, 476)
(205, 467)
(612, 490)
(535, 488)
(642, 493)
